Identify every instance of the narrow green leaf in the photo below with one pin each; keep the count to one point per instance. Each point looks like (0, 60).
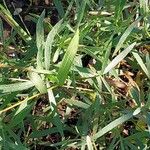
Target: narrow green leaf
(40, 31)
(90, 51)
(122, 146)
(40, 40)
(68, 9)
(106, 85)
(21, 107)
(46, 23)
(15, 146)
(51, 97)
(113, 143)
(68, 58)
(135, 94)
(144, 7)
(38, 134)
(137, 111)
(125, 35)
(56, 55)
(118, 9)
(106, 57)
(115, 123)
(141, 63)
(118, 58)
(138, 135)
(18, 118)
(1, 31)
(49, 42)
(130, 145)
(9, 97)
(59, 8)
(9, 19)
(77, 103)
(58, 123)
(16, 87)
(89, 143)
(81, 10)
(84, 72)
(37, 81)
(148, 62)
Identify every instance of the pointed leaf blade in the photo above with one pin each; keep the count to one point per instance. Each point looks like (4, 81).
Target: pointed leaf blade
(118, 58)
(40, 40)
(68, 58)
(49, 42)
(5, 88)
(125, 35)
(37, 81)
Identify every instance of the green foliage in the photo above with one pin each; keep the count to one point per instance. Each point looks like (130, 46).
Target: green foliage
(68, 58)
(82, 83)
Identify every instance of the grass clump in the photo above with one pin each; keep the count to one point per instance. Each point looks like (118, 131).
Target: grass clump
(79, 79)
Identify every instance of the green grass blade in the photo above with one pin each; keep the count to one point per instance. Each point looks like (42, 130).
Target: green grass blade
(89, 50)
(9, 19)
(59, 8)
(113, 143)
(37, 81)
(141, 63)
(89, 143)
(135, 94)
(115, 123)
(48, 44)
(68, 58)
(130, 145)
(106, 85)
(40, 40)
(107, 54)
(138, 135)
(18, 118)
(125, 35)
(118, 58)
(40, 31)
(118, 9)
(81, 10)
(38, 134)
(77, 103)
(144, 7)
(21, 107)
(5, 88)
(46, 23)
(58, 123)
(68, 9)
(16, 146)
(148, 62)
(47, 56)
(1, 31)
(51, 97)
